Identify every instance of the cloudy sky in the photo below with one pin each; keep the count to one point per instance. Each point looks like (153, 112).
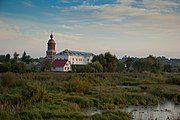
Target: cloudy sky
(122, 27)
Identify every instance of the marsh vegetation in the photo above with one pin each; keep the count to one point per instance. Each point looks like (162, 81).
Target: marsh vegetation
(48, 95)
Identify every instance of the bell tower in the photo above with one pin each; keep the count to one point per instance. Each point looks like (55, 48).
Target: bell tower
(51, 52)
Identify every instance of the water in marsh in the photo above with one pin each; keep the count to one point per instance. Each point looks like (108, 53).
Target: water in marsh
(165, 111)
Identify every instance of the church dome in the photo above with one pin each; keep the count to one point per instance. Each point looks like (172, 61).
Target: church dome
(51, 40)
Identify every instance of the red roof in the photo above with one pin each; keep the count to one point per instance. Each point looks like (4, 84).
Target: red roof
(59, 63)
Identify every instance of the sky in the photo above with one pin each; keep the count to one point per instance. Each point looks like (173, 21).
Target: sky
(134, 28)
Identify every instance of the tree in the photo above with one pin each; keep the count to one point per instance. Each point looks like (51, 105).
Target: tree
(97, 66)
(5, 67)
(2, 58)
(167, 68)
(111, 62)
(150, 63)
(46, 64)
(18, 68)
(108, 61)
(129, 62)
(26, 58)
(120, 66)
(8, 58)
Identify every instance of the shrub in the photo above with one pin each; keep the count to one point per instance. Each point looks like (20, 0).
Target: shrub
(33, 93)
(78, 84)
(8, 79)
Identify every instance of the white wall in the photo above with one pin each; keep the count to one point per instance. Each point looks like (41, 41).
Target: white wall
(67, 67)
(77, 60)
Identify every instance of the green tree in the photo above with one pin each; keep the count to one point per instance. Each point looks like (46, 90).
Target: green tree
(108, 61)
(150, 63)
(15, 57)
(129, 62)
(46, 64)
(2, 58)
(5, 67)
(97, 66)
(120, 66)
(18, 68)
(111, 62)
(167, 68)
(8, 58)
(26, 58)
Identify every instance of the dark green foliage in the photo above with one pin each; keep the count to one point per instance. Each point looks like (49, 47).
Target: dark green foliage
(8, 58)
(46, 65)
(120, 66)
(33, 93)
(129, 62)
(150, 63)
(26, 58)
(96, 66)
(83, 68)
(108, 61)
(5, 67)
(167, 68)
(18, 68)
(2, 58)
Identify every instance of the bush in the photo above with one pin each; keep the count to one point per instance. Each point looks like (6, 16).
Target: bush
(8, 79)
(78, 84)
(33, 93)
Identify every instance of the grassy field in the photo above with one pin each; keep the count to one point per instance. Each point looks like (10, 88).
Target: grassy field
(63, 96)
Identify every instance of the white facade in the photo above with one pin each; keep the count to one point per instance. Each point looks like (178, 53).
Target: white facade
(75, 57)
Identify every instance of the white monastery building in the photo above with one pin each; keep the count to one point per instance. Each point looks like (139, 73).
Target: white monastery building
(75, 57)
(65, 59)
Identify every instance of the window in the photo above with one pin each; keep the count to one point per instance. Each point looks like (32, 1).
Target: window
(88, 60)
(68, 68)
(76, 59)
(54, 68)
(73, 59)
(65, 68)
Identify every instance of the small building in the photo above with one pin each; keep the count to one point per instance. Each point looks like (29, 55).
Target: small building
(61, 65)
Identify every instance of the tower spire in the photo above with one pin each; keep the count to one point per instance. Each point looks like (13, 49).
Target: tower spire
(51, 36)
(50, 53)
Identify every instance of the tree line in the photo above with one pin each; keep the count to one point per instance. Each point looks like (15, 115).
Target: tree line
(109, 63)
(22, 64)
(100, 63)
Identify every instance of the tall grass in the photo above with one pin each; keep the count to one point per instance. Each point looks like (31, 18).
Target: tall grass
(49, 95)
